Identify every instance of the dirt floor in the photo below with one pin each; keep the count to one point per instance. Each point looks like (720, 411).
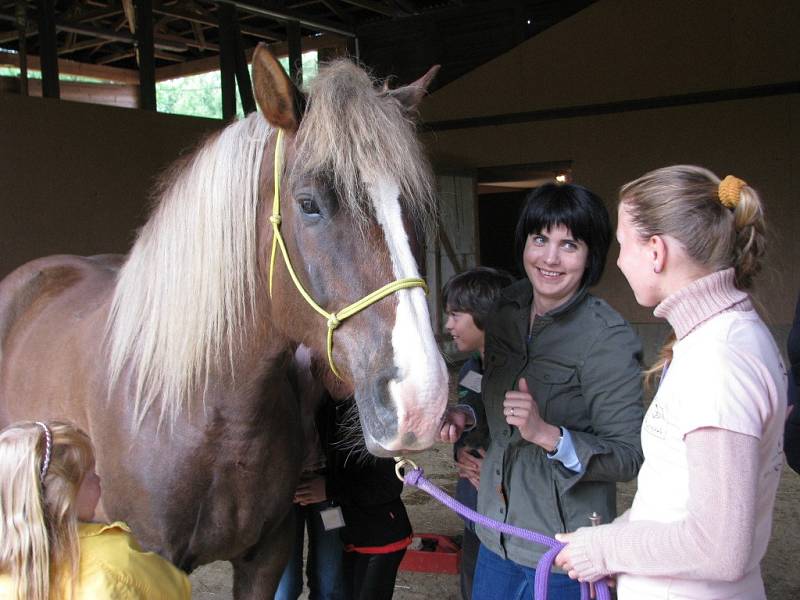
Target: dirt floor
(780, 566)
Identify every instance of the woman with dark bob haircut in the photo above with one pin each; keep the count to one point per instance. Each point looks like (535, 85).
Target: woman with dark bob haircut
(561, 390)
(576, 208)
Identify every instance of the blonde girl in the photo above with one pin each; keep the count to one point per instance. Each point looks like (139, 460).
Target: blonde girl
(48, 546)
(691, 245)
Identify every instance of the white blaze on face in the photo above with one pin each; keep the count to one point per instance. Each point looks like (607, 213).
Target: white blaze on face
(420, 390)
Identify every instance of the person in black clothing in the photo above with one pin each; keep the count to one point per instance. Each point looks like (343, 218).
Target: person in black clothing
(349, 501)
(468, 298)
(376, 529)
(791, 435)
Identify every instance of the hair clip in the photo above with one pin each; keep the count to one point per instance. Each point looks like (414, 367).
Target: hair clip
(48, 437)
(730, 190)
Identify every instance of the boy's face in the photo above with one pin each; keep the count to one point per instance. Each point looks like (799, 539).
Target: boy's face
(466, 335)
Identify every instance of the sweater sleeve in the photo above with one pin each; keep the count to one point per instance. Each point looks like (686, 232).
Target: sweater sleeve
(711, 543)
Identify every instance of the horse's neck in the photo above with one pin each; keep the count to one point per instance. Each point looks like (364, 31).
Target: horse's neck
(263, 348)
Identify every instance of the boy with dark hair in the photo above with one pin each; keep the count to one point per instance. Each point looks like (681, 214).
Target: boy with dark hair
(468, 298)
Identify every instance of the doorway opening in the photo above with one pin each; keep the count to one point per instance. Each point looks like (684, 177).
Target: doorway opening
(502, 192)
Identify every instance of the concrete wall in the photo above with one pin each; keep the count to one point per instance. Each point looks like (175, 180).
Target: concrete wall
(621, 50)
(75, 178)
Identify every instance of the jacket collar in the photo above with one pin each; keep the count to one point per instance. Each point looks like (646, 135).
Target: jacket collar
(520, 293)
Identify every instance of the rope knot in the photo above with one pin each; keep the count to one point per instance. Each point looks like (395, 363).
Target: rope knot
(275, 219)
(412, 477)
(333, 322)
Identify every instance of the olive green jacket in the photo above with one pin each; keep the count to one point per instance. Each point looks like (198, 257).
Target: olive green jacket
(582, 366)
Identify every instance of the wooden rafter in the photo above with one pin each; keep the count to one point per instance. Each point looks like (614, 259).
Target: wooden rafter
(71, 67)
(336, 10)
(203, 17)
(112, 58)
(279, 49)
(376, 7)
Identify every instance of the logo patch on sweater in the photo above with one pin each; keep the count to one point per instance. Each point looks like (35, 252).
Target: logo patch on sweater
(654, 421)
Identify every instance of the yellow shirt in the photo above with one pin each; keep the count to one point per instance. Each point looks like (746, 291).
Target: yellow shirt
(114, 567)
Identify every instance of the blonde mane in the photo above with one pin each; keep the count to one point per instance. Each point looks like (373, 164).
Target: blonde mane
(360, 133)
(186, 293)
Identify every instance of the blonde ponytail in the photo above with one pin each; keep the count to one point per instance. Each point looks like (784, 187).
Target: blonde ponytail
(750, 243)
(720, 224)
(38, 520)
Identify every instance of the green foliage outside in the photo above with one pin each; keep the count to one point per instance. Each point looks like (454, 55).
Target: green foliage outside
(196, 95)
(199, 95)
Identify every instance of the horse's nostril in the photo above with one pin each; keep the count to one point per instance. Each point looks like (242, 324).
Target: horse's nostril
(409, 439)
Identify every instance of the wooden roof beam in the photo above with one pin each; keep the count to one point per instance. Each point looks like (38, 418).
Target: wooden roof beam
(288, 15)
(376, 7)
(205, 18)
(78, 46)
(279, 49)
(94, 15)
(71, 67)
(131, 53)
(337, 11)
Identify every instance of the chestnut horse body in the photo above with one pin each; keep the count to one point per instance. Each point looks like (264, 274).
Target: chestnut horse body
(177, 359)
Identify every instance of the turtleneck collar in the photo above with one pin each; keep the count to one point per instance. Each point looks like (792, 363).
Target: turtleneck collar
(704, 298)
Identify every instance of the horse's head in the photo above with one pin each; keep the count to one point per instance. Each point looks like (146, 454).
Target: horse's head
(354, 187)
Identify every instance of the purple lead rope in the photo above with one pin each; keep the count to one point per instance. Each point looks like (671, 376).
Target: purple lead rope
(416, 478)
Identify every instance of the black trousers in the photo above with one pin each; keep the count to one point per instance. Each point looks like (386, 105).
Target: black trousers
(469, 556)
(371, 576)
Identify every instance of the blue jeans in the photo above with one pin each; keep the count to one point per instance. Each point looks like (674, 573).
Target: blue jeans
(324, 565)
(496, 577)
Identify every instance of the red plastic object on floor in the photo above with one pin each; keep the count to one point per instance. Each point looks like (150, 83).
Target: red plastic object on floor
(439, 554)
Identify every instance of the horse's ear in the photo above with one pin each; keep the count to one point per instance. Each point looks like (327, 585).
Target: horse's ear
(278, 98)
(411, 95)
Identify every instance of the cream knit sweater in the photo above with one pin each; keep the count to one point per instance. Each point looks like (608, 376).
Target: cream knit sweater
(711, 547)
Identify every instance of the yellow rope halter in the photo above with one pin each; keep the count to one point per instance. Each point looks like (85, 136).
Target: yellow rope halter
(333, 319)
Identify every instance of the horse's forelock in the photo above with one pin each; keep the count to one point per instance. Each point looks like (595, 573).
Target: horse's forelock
(355, 134)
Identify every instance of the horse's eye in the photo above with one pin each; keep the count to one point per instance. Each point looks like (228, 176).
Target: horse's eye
(309, 206)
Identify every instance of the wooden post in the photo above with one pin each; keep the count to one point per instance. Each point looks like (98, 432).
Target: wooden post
(353, 48)
(146, 54)
(49, 49)
(227, 59)
(22, 29)
(243, 75)
(295, 52)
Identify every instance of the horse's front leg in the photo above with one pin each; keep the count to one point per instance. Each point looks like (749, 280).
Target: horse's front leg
(257, 574)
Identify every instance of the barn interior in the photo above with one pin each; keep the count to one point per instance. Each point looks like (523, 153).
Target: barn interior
(529, 91)
(593, 92)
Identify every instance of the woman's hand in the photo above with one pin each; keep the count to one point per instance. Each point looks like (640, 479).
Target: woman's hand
(311, 491)
(520, 410)
(454, 422)
(469, 466)
(563, 559)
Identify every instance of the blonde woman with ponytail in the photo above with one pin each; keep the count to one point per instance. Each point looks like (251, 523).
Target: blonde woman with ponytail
(690, 246)
(49, 547)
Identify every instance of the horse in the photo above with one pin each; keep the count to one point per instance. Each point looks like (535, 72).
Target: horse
(177, 359)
